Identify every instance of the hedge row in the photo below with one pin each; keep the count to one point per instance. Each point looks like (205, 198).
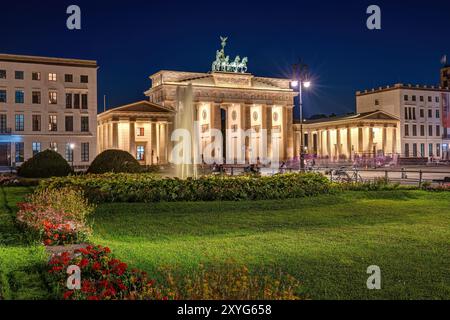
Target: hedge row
(148, 188)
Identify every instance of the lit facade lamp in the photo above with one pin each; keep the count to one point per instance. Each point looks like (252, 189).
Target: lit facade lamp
(301, 81)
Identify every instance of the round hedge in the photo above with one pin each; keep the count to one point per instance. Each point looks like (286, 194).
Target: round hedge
(45, 164)
(114, 161)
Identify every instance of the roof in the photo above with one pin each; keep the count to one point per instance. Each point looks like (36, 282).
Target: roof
(373, 115)
(402, 86)
(48, 60)
(139, 107)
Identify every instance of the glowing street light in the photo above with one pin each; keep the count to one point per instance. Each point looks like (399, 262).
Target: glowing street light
(301, 74)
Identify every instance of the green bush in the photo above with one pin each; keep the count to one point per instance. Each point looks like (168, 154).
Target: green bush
(149, 188)
(117, 161)
(45, 164)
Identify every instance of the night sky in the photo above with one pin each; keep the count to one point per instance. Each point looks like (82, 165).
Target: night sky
(133, 39)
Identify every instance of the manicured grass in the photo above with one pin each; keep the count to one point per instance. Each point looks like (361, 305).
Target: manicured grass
(326, 242)
(21, 261)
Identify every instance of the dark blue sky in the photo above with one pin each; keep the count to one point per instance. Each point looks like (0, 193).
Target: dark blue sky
(133, 39)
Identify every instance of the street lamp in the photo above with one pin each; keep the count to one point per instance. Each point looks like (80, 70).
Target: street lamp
(301, 81)
(72, 147)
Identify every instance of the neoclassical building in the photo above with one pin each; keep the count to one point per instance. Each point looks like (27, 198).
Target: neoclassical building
(254, 115)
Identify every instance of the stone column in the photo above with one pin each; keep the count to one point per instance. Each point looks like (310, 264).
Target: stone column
(288, 127)
(153, 145)
(132, 125)
(394, 140)
(115, 135)
(162, 143)
(371, 142)
(319, 143)
(384, 139)
(330, 155)
(338, 142)
(349, 142)
(268, 125)
(360, 140)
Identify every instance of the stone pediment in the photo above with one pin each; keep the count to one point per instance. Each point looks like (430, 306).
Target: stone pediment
(378, 115)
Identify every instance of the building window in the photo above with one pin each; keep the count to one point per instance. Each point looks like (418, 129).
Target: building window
(414, 113)
(20, 96)
(377, 102)
(84, 79)
(438, 114)
(36, 76)
(20, 119)
(84, 101)
(430, 131)
(406, 130)
(414, 131)
(2, 74)
(3, 124)
(407, 150)
(430, 99)
(3, 96)
(52, 77)
(422, 113)
(52, 123)
(437, 99)
(85, 151)
(76, 101)
(405, 97)
(413, 98)
(68, 101)
(69, 152)
(140, 132)
(36, 97)
(421, 98)
(36, 122)
(438, 131)
(438, 149)
(414, 150)
(430, 114)
(68, 78)
(54, 146)
(140, 153)
(430, 150)
(422, 131)
(84, 124)
(19, 152)
(19, 75)
(69, 123)
(406, 113)
(53, 97)
(36, 148)
(422, 150)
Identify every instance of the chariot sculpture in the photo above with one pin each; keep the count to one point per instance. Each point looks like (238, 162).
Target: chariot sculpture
(224, 64)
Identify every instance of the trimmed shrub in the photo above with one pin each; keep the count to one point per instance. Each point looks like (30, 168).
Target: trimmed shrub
(45, 164)
(150, 188)
(117, 161)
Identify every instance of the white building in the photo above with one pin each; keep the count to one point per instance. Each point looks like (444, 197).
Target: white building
(47, 103)
(424, 117)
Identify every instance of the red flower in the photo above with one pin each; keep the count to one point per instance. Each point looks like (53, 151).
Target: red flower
(93, 298)
(83, 263)
(96, 266)
(68, 294)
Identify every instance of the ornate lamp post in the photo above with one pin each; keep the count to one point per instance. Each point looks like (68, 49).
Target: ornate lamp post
(301, 81)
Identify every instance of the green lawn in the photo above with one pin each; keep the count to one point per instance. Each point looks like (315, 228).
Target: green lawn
(326, 242)
(20, 261)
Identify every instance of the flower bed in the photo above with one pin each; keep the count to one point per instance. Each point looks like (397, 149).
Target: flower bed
(148, 188)
(102, 277)
(57, 217)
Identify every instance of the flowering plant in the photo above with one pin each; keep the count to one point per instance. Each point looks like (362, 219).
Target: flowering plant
(57, 216)
(102, 277)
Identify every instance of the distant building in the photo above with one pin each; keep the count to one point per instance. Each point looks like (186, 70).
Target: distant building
(47, 103)
(424, 117)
